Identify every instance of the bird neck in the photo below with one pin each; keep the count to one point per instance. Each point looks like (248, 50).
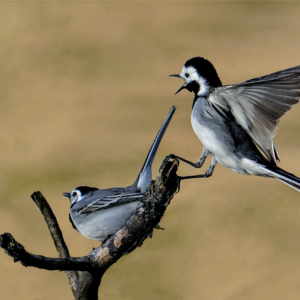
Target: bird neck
(203, 87)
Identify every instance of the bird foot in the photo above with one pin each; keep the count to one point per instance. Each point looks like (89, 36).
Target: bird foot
(166, 159)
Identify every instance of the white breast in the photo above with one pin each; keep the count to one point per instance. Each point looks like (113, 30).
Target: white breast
(100, 224)
(205, 135)
(215, 146)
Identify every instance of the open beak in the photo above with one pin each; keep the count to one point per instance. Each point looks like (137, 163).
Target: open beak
(68, 195)
(183, 87)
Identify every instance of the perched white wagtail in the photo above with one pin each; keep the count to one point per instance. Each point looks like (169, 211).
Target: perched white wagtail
(97, 214)
(233, 121)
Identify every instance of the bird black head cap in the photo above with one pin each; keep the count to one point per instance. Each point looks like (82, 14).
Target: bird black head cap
(206, 69)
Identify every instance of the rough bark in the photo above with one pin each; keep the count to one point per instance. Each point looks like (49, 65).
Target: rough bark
(93, 266)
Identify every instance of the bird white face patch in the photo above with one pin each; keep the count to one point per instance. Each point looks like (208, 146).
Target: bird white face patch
(190, 74)
(75, 196)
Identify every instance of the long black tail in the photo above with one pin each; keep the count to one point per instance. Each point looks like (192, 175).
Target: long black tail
(145, 176)
(286, 178)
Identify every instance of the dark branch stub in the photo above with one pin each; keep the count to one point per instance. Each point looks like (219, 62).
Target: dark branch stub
(11, 246)
(140, 226)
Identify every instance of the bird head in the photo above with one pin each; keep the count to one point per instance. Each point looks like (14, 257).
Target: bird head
(199, 75)
(78, 194)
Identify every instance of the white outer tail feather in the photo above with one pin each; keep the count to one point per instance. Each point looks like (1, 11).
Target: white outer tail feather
(288, 178)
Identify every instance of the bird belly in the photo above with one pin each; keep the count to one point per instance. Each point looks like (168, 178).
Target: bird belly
(227, 142)
(103, 223)
(215, 143)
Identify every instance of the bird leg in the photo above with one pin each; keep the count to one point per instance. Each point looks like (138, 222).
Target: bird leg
(211, 168)
(197, 165)
(202, 159)
(207, 174)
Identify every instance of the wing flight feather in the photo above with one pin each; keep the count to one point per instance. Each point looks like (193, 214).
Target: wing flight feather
(259, 103)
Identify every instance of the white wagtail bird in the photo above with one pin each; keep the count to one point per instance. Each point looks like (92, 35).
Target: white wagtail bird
(233, 122)
(97, 214)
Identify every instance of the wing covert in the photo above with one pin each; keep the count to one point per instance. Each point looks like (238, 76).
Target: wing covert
(112, 200)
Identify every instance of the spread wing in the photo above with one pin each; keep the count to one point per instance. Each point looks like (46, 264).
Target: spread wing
(109, 201)
(259, 103)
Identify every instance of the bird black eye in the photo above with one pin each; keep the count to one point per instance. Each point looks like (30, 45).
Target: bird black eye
(74, 194)
(187, 75)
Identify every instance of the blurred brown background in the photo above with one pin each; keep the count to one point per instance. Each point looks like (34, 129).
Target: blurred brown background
(84, 88)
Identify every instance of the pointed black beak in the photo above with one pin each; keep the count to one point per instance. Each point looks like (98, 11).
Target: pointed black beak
(68, 195)
(183, 87)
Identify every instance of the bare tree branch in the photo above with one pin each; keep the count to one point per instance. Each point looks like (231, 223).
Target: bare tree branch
(56, 234)
(51, 221)
(140, 226)
(18, 252)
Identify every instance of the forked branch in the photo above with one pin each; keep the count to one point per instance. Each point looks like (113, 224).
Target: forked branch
(140, 226)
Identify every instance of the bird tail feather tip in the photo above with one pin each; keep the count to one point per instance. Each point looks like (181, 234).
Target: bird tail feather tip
(288, 178)
(145, 176)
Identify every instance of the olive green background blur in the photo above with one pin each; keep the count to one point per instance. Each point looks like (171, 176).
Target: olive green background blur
(84, 88)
